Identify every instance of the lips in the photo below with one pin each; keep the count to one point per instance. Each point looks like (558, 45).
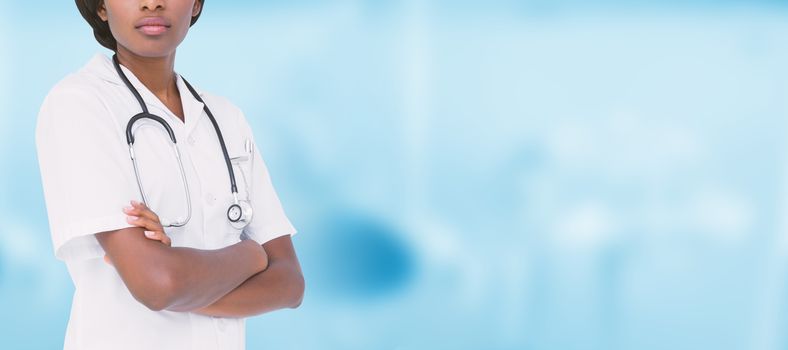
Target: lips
(153, 25)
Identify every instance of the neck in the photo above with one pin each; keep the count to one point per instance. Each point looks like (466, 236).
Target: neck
(156, 73)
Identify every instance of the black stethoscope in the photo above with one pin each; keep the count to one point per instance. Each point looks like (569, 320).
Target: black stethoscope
(240, 211)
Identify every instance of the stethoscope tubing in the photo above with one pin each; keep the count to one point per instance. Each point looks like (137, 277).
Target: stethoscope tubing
(145, 114)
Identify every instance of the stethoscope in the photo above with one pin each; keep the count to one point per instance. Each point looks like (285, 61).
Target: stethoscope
(240, 211)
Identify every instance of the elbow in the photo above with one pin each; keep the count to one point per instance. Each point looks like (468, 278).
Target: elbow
(298, 291)
(159, 293)
(154, 304)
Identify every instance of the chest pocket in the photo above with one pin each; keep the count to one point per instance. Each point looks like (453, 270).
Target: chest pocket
(239, 149)
(216, 181)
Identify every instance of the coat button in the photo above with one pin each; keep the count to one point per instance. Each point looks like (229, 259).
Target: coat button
(210, 198)
(191, 140)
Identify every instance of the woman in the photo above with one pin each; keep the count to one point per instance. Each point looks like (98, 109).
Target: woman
(138, 286)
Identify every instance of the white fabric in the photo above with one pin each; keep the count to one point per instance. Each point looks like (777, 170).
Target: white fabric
(88, 178)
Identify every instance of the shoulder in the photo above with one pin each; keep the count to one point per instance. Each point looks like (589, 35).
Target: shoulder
(82, 89)
(225, 109)
(76, 91)
(75, 104)
(219, 102)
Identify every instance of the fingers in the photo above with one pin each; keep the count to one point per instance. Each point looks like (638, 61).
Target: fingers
(144, 222)
(153, 230)
(159, 236)
(140, 215)
(140, 209)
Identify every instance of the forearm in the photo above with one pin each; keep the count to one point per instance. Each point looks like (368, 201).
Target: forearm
(200, 277)
(279, 286)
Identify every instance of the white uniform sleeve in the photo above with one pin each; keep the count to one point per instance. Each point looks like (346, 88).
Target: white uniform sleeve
(269, 220)
(84, 171)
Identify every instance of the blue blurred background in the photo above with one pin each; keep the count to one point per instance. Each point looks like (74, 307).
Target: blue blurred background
(470, 174)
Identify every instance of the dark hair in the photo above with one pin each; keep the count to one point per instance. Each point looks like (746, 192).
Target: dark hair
(89, 11)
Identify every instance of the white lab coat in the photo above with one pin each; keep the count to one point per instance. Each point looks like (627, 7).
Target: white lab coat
(88, 177)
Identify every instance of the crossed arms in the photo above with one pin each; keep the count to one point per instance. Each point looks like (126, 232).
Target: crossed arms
(241, 280)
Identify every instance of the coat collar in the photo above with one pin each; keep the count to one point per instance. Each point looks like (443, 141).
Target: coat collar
(102, 66)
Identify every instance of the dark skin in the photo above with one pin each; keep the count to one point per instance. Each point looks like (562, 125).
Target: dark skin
(241, 280)
(263, 292)
(151, 57)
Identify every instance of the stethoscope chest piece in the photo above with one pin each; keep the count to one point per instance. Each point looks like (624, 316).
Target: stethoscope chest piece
(239, 214)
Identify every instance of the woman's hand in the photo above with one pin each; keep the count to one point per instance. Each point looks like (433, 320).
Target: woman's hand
(140, 215)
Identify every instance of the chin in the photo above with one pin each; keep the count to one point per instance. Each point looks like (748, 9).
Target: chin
(151, 47)
(151, 50)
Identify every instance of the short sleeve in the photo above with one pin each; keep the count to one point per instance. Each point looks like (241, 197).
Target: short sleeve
(84, 169)
(269, 220)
